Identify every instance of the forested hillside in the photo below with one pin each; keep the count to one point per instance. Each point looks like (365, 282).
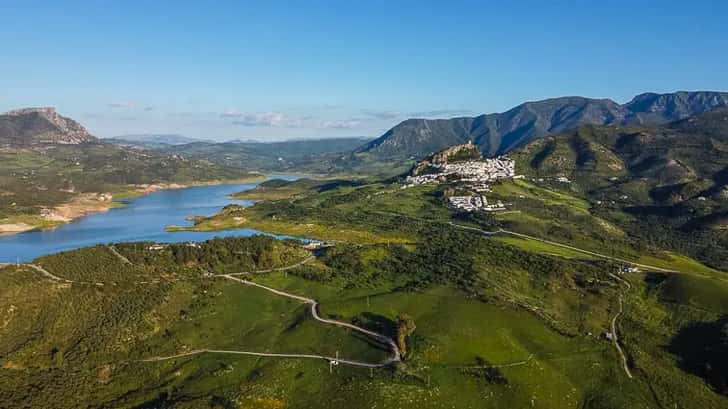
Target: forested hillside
(667, 185)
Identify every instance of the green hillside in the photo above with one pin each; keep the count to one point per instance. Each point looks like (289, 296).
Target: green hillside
(667, 186)
(495, 326)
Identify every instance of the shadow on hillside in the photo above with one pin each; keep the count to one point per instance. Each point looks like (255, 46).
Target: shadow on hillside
(702, 349)
(377, 323)
(339, 183)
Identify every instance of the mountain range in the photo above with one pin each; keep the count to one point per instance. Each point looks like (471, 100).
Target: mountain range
(152, 139)
(498, 133)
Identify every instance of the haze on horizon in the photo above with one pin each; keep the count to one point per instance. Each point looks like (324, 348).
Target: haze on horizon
(272, 71)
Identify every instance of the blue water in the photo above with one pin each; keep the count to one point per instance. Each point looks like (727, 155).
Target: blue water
(143, 219)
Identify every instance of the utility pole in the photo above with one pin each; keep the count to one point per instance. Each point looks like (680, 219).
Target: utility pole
(334, 362)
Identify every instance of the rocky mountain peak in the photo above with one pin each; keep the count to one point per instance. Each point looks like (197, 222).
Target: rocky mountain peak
(28, 127)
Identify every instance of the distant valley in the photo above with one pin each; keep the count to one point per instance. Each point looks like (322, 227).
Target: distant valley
(151, 140)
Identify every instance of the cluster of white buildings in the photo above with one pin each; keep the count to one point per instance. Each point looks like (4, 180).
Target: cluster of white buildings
(476, 174)
(473, 203)
(473, 171)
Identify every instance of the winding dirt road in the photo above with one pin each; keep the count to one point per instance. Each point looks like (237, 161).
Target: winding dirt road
(615, 336)
(396, 356)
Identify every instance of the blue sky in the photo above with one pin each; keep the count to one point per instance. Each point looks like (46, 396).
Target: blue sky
(273, 70)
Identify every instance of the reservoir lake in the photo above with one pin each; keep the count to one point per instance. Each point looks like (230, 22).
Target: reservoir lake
(142, 219)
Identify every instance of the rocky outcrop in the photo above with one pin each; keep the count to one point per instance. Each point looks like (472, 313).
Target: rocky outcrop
(458, 153)
(30, 127)
(467, 151)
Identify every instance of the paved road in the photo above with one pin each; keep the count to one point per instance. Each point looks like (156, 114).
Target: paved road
(566, 246)
(396, 356)
(314, 312)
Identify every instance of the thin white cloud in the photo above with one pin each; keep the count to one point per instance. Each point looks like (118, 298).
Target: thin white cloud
(389, 115)
(440, 113)
(232, 113)
(121, 104)
(381, 114)
(264, 119)
(346, 124)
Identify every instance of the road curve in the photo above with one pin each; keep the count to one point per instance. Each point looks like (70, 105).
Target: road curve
(396, 355)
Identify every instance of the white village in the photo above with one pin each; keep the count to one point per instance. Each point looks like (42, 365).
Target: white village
(474, 174)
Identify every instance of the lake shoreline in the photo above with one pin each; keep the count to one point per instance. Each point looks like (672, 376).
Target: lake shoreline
(86, 204)
(138, 215)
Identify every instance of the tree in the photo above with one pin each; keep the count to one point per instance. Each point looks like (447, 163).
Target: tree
(405, 328)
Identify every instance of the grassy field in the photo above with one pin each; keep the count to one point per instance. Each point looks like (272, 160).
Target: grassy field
(453, 344)
(371, 213)
(541, 247)
(681, 263)
(549, 197)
